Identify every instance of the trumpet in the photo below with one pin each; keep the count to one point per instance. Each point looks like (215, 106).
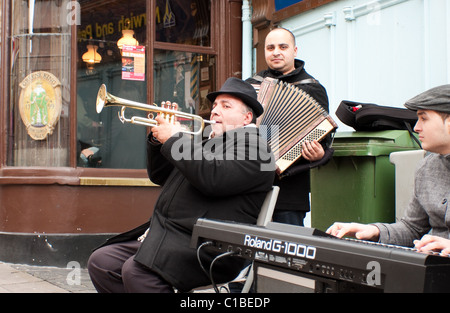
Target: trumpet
(105, 99)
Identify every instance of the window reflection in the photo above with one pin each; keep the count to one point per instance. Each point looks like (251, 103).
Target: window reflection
(38, 115)
(184, 22)
(102, 140)
(185, 78)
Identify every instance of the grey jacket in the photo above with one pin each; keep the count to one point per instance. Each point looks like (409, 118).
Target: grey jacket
(427, 210)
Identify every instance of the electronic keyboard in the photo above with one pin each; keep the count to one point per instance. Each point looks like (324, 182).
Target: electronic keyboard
(337, 265)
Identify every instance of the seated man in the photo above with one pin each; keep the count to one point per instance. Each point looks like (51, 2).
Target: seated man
(224, 177)
(425, 224)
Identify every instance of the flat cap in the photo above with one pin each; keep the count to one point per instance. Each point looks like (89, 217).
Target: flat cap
(436, 99)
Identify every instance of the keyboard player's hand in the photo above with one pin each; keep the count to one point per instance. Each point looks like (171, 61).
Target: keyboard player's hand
(356, 230)
(433, 243)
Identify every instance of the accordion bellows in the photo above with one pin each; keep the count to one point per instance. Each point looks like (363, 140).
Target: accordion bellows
(291, 117)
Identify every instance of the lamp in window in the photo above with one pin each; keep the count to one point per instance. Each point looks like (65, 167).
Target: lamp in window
(91, 56)
(127, 39)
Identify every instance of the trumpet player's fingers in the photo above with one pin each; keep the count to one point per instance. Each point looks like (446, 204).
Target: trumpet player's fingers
(165, 130)
(160, 120)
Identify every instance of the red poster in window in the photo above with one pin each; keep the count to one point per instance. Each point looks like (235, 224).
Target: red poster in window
(133, 62)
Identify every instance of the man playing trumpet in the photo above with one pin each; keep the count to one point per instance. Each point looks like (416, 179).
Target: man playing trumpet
(156, 257)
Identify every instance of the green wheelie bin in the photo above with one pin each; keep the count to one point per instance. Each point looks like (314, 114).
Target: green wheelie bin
(358, 183)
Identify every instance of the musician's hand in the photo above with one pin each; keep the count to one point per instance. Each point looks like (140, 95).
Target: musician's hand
(359, 231)
(433, 243)
(312, 150)
(165, 130)
(87, 152)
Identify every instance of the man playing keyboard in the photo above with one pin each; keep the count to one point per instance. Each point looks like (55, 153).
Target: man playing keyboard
(426, 226)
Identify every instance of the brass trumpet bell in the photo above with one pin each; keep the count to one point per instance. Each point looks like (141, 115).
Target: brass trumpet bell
(105, 99)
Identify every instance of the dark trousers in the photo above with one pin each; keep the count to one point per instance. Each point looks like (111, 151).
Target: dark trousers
(289, 217)
(113, 270)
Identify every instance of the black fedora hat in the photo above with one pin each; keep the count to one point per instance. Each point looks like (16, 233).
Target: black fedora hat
(242, 90)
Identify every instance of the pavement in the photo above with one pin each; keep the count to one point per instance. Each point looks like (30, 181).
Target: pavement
(22, 278)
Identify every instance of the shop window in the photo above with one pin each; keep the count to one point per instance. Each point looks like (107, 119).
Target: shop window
(185, 78)
(183, 22)
(102, 140)
(182, 76)
(38, 110)
(178, 76)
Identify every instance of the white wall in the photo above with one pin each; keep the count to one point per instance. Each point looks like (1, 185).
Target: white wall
(383, 52)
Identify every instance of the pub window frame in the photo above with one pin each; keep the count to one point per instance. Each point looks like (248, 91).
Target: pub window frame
(225, 13)
(140, 176)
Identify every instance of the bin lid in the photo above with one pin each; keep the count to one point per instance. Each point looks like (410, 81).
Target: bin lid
(372, 143)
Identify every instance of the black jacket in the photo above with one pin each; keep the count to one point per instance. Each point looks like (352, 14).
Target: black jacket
(295, 185)
(224, 178)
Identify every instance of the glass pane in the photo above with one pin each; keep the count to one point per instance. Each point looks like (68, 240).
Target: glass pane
(111, 143)
(183, 22)
(185, 78)
(38, 115)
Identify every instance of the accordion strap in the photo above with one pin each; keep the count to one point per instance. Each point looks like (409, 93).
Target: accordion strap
(306, 81)
(303, 81)
(258, 78)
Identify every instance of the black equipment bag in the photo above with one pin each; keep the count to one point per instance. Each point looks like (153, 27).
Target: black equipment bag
(374, 117)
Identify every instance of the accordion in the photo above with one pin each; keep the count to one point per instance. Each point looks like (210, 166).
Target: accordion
(291, 117)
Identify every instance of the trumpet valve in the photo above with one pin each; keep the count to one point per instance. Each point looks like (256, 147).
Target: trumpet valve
(173, 107)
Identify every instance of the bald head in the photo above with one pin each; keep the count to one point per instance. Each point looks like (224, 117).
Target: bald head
(280, 50)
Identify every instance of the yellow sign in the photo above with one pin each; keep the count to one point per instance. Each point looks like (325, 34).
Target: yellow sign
(40, 103)
(169, 17)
